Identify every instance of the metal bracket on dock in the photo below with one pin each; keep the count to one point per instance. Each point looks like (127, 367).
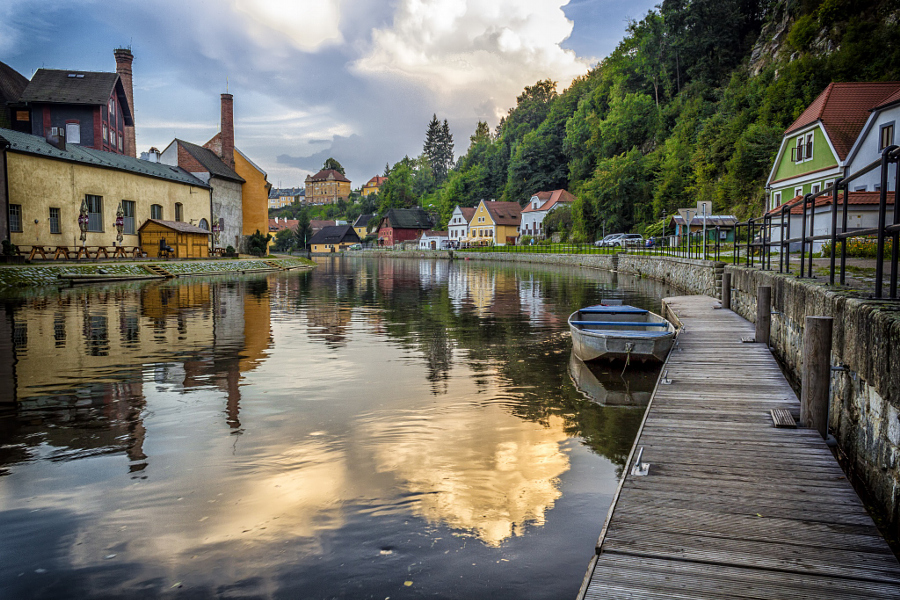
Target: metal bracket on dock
(842, 367)
(665, 378)
(640, 469)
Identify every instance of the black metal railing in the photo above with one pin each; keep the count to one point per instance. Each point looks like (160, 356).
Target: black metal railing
(759, 235)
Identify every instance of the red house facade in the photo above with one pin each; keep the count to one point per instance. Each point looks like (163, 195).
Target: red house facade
(402, 225)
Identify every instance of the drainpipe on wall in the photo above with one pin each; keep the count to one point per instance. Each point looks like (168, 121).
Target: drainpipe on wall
(4, 145)
(212, 242)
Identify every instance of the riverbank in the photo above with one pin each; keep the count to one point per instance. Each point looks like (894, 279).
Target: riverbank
(13, 276)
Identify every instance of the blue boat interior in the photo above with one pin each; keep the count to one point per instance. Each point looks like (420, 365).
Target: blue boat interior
(614, 310)
(618, 324)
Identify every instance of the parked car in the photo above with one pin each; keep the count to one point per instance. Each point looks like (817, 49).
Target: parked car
(621, 239)
(633, 239)
(612, 239)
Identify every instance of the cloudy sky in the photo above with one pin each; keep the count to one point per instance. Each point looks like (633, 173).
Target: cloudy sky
(354, 79)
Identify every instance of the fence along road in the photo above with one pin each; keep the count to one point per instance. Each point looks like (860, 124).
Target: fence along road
(733, 507)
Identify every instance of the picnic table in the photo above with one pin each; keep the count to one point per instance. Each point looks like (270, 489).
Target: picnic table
(79, 252)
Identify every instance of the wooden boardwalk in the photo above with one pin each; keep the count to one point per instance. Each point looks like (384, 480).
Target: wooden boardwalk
(734, 507)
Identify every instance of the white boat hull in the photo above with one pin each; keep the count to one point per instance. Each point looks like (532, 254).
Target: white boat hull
(648, 341)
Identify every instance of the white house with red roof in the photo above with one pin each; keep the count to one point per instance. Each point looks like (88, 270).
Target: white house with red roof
(539, 206)
(879, 132)
(458, 226)
(434, 240)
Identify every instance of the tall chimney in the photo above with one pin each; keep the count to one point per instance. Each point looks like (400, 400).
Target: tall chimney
(227, 134)
(124, 58)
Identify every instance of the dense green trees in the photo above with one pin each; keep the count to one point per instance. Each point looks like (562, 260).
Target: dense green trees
(690, 106)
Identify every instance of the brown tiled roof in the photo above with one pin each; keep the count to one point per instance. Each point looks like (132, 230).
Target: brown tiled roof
(892, 99)
(504, 213)
(324, 174)
(855, 198)
(279, 224)
(210, 161)
(843, 109)
(550, 199)
(377, 180)
(467, 212)
(177, 226)
(12, 84)
(316, 224)
(76, 87)
(433, 233)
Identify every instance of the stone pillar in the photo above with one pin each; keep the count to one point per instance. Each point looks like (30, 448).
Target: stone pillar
(726, 290)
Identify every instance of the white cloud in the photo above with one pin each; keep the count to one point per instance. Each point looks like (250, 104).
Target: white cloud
(307, 24)
(464, 50)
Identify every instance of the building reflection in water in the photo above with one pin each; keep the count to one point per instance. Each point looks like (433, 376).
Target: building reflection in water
(98, 342)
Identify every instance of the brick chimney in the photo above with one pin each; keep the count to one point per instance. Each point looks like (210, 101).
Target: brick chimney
(124, 58)
(227, 133)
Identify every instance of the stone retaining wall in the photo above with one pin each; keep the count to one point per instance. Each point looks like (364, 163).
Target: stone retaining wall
(698, 276)
(41, 274)
(865, 402)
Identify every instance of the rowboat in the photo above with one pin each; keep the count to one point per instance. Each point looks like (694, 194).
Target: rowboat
(620, 332)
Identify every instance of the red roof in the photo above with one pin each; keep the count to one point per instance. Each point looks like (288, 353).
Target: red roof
(467, 212)
(892, 99)
(279, 224)
(550, 199)
(433, 233)
(843, 109)
(504, 213)
(326, 174)
(854, 199)
(376, 181)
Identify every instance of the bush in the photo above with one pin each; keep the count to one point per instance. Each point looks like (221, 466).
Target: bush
(230, 250)
(9, 249)
(859, 248)
(257, 244)
(525, 240)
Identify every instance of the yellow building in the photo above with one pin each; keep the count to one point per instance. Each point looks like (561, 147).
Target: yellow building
(48, 184)
(334, 239)
(327, 187)
(361, 225)
(373, 185)
(254, 194)
(495, 223)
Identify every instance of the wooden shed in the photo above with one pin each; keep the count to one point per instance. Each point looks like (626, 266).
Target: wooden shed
(187, 241)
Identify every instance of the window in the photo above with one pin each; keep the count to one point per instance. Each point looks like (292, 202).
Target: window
(95, 212)
(816, 188)
(73, 133)
(112, 137)
(776, 200)
(179, 211)
(155, 211)
(112, 109)
(797, 151)
(808, 153)
(128, 214)
(859, 188)
(887, 136)
(204, 224)
(54, 220)
(798, 191)
(120, 142)
(105, 132)
(15, 217)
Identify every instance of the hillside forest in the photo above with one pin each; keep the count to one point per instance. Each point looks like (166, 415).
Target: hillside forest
(690, 106)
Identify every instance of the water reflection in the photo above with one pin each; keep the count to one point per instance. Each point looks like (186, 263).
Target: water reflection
(258, 434)
(611, 385)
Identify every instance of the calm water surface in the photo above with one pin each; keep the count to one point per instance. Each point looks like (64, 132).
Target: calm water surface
(375, 428)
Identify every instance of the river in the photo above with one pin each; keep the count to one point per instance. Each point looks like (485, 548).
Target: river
(375, 428)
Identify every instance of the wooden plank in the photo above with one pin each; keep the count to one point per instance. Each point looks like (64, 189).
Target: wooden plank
(739, 502)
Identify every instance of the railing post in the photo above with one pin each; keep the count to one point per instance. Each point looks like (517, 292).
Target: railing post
(835, 192)
(895, 238)
(882, 218)
(844, 225)
(803, 238)
(816, 374)
(763, 314)
(726, 290)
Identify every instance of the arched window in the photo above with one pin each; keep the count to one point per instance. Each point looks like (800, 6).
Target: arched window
(204, 224)
(156, 211)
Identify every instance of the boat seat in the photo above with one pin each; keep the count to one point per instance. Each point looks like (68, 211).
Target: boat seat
(614, 310)
(618, 324)
(638, 334)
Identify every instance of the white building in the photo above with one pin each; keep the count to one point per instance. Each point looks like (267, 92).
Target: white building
(879, 132)
(458, 227)
(539, 206)
(434, 240)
